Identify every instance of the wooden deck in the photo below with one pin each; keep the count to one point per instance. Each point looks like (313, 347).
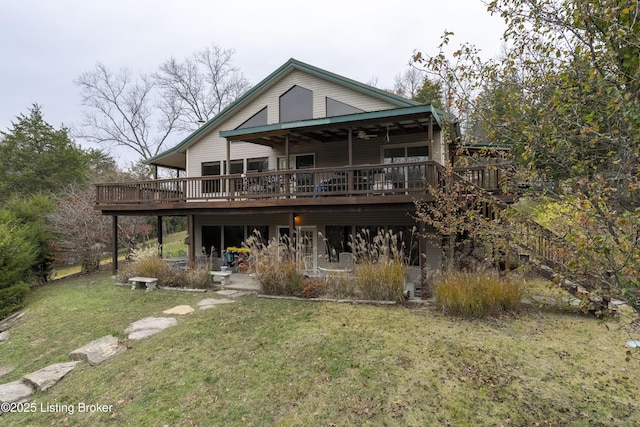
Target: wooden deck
(306, 188)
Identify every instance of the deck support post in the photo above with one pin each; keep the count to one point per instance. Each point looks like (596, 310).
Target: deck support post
(160, 236)
(229, 188)
(292, 232)
(287, 177)
(191, 226)
(425, 287)
(114, 249)
(350, 186)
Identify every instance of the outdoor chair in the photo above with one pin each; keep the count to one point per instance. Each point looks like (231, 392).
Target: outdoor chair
(309, 269)
(346, 261)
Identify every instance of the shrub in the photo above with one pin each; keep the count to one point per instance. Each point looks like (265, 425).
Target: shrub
(18, 254)
(477, 294)
(279, 277)
(380, 272)
(12, 298)
(313, 287)
(147, 263)
(341, 286)
(197, 278)
(275, 269)
(382, 280)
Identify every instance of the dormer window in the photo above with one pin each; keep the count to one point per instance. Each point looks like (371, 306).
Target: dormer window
(296, 104)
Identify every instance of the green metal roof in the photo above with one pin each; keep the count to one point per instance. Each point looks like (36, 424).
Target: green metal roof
(290, 65)
(337, 120)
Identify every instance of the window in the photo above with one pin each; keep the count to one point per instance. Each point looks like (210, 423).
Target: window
(300, 161)
(233, 236)
(211, 185)
(337, 108)
(296, 104)
(211, 238)
(258, 164)
(407, 176)
(303, 182)
(258, 119)
(236, 167)
(336, 241)
(260, 231)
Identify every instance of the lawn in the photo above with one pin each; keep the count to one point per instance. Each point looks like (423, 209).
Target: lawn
(291, 363)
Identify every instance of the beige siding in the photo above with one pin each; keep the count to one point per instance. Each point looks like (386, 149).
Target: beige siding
(321, 89)
(212, 147)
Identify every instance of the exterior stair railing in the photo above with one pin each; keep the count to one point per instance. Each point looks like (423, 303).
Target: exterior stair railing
(553, 256)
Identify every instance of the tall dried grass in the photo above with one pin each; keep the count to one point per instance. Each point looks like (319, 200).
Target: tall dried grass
(380, 270)
(477, 294)
(147, 263)
(275, 265)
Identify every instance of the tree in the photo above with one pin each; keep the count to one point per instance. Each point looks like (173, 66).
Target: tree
(430, 93)
(201, 86)
(416, 85)
(26, 250)
(408, 84)
(122, 111)
(35, 157)
(30, 215)
(17, 255)
(83, 234)
(80, 230)
(566, 94)
(142, 112)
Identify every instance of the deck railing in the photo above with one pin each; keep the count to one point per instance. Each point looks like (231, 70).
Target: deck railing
(410, 178)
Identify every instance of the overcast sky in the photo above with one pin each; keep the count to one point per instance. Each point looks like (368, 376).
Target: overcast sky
(46, 44)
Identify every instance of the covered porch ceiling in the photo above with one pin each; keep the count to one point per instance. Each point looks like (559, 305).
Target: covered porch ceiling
(402, 121)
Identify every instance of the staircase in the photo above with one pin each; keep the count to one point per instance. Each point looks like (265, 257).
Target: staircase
(551, 256)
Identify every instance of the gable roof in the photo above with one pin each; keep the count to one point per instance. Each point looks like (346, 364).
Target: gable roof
(174, 156)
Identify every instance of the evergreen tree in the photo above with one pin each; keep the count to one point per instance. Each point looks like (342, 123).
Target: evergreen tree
(35, 157)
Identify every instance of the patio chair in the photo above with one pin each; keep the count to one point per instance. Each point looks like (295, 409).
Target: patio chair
(309, 269)
(345, 260)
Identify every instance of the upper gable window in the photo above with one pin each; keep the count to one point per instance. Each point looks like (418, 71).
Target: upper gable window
(337, 108)
(258, 119)
(296, 104)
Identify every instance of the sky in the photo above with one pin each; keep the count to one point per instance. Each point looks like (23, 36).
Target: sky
(45, 45)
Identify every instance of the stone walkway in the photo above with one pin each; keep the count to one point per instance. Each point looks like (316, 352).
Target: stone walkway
(101, 349)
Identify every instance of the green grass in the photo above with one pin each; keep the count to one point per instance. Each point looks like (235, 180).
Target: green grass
(289, 363)
(172, 245)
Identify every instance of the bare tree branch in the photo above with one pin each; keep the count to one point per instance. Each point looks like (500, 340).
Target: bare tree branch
(201, 86)
(142, 112)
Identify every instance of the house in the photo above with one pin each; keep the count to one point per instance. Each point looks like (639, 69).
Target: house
(304, 152)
